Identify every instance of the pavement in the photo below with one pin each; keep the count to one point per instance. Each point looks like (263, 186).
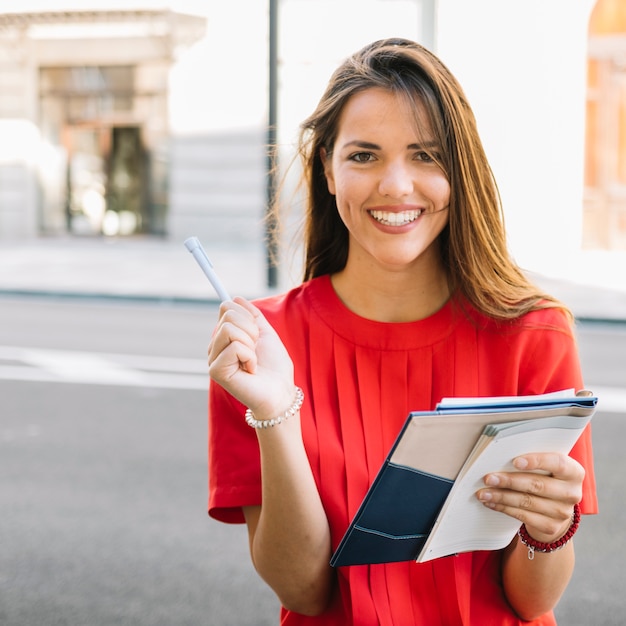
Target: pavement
(162, 270)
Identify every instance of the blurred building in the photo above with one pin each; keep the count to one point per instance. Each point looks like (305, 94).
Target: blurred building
(605, 165)
(84, 119)
(140, 120)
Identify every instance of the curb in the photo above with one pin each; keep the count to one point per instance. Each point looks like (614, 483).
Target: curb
(103, 296)
(175, 300)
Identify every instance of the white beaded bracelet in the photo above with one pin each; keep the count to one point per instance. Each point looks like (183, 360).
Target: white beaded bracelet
(290, 412)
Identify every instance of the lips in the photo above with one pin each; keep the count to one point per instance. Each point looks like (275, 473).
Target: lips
(396, 218)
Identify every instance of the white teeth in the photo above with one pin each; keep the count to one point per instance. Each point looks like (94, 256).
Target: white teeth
(396, 219)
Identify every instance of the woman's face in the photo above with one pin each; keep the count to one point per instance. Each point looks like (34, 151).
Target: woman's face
(390, 194)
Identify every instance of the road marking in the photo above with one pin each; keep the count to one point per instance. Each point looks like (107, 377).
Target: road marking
(98, 368)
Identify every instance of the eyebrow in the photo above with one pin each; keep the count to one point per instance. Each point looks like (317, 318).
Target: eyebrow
(373, 146)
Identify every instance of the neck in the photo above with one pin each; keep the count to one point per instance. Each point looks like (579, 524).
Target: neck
(388, 295)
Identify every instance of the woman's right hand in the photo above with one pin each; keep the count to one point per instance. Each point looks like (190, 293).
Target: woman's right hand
(248, 359)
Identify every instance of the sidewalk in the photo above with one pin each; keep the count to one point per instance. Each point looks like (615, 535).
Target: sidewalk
(126, 268)
(147, 269)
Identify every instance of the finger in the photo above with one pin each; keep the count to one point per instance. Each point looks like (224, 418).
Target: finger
(235, 313)
(555, 464)
(259, 319)
(544, 518)
(507, 500)
(234, 340)
(547, 518)
(232, 360)
(235, 324)
(226, 334)
(539, 485)
(248, 306)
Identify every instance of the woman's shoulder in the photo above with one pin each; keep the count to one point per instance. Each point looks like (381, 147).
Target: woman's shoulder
(544, 317)
(547, 318)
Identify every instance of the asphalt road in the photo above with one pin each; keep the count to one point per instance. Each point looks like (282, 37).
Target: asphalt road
(103, 499)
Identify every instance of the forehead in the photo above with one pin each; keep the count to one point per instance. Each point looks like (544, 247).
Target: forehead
(378, 110)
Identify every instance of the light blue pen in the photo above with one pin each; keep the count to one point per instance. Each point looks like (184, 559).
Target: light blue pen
(195, 247)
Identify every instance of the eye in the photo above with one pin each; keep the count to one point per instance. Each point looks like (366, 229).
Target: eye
(426, 157)
(361, 157)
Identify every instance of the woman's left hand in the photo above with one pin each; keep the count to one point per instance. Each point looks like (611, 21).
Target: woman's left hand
(541, 494)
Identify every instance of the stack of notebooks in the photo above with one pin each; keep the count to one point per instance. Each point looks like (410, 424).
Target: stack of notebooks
(422, 504)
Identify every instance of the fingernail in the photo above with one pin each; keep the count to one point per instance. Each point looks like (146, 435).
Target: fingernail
(484, 496)
(520, 463)
(492, 480)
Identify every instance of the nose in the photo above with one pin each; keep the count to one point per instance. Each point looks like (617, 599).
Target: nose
(396, 180)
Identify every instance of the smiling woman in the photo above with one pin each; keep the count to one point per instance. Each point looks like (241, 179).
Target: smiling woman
(409, 296)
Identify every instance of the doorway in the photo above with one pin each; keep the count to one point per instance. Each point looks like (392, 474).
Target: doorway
(105, 169)
(105, 180)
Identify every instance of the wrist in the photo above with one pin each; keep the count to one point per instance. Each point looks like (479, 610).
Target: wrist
(534, 545)
(268, 420)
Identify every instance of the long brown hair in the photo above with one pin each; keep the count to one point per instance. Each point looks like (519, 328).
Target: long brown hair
(473, 244)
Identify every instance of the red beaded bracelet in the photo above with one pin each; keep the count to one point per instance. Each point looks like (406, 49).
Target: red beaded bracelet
(539, 546)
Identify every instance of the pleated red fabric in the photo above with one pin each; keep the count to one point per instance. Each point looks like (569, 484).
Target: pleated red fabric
(361, 379)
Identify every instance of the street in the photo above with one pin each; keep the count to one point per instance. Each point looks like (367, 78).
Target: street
(105, 486)
(104, 474)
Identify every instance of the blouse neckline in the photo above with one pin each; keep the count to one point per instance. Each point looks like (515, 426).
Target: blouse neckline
(379, 335)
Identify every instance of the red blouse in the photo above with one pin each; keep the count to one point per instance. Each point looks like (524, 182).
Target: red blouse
(361, 379)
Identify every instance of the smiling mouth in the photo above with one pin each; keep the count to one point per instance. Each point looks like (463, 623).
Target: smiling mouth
(402, 218)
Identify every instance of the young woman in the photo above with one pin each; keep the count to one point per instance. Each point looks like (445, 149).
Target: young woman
(409, 296)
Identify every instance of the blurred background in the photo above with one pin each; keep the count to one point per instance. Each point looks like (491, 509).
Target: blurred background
(126, 127)
(152, 119)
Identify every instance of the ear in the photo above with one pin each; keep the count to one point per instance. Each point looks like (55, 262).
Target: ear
(328, 170)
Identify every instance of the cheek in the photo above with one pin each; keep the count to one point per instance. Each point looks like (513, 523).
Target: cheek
(350, 188)
(441, 190)
(445, 218)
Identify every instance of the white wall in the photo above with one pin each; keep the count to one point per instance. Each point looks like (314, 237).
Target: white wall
(220, 83)
(523, 66)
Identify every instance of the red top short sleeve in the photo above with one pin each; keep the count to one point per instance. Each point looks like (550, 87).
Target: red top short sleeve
(361, 379)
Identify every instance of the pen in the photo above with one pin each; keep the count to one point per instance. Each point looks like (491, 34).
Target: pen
(195, 247)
